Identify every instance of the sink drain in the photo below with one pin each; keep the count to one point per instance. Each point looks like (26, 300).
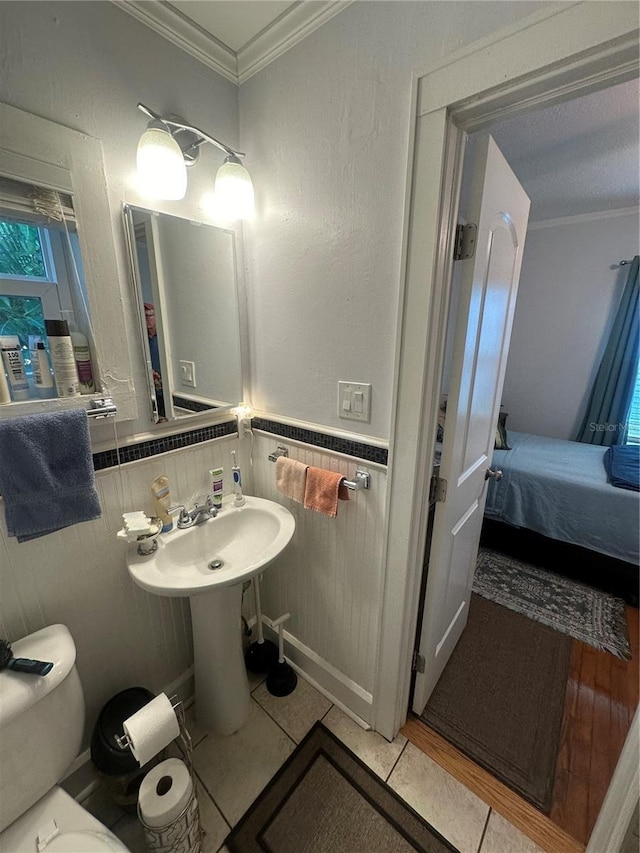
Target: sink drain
(216, 564)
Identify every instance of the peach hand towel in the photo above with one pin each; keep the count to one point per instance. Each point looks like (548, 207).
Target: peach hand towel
(323, 490)
(291, 478)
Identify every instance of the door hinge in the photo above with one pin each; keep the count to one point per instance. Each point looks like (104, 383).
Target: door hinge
(417, 662)
(465, 246)
(439, 490)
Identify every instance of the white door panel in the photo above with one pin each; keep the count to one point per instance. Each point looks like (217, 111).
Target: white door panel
(485, 310)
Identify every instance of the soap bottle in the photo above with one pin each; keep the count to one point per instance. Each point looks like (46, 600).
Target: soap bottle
(217, 483)
(5, 396)
(162, 501)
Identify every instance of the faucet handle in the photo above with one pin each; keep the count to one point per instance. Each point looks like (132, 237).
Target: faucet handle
(184, 517)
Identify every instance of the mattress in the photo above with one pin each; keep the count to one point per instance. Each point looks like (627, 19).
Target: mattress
(559, 489)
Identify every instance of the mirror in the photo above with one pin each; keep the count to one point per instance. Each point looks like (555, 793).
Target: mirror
(186, 289)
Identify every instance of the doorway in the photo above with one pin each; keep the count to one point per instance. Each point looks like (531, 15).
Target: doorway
(556, 291)
(558, 56)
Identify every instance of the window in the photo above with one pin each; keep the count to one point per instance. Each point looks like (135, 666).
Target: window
(40, 267)
(633, 431)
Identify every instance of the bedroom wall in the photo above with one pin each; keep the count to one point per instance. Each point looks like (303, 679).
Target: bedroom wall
(566, 304)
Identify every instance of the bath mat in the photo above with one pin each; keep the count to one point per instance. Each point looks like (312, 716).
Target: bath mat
(325, 800)
(500, 699)
(582, 612)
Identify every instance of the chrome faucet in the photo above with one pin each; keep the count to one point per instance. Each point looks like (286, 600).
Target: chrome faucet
(198, 515)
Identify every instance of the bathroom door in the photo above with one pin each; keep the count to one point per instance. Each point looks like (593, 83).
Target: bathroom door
(489, 283)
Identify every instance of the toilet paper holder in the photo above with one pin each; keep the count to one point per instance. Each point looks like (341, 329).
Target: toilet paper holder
(124, 742)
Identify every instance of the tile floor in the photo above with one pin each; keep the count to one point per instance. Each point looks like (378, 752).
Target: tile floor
(232, 771)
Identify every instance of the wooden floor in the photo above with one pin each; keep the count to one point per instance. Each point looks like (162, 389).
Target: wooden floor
(601, 699)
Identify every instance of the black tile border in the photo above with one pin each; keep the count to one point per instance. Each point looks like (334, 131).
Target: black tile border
(368, 452)
(147, 449)
(192, 405)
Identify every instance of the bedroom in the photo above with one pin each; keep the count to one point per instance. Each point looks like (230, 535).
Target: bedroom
(578, 162)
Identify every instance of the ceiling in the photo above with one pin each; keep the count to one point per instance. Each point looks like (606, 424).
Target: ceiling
(578, 157)
(237, 38)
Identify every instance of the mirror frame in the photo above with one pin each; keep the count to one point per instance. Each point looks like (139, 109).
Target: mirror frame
(138, 298)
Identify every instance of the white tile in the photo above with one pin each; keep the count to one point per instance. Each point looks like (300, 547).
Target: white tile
(235, 769)
(441, 800)
(370, 747)
(255, 679)
(195, 730)
(214, 825)
(502, 837)
(102, 806)
(297, 712)
(130, 831)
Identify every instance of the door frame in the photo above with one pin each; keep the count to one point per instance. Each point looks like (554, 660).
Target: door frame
(548, 58)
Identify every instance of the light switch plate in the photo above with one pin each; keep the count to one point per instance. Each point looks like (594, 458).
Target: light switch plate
(354, 401)
(188, 373)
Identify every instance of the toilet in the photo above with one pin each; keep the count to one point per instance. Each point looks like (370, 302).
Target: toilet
(41, 725)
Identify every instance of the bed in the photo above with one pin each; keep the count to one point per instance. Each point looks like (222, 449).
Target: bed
(559, 489)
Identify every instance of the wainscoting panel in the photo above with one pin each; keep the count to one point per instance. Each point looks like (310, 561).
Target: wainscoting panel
(124, 635)
(330, 576)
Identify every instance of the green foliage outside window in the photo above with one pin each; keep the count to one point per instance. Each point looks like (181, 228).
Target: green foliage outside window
(22, 316)
(20, 250)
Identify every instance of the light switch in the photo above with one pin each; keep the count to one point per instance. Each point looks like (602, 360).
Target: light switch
(354, 401)
(188, 373)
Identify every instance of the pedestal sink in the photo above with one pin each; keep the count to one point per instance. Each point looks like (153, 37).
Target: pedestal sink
(208, 563)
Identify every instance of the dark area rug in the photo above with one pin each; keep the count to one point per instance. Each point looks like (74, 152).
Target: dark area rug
(501, 697)
(582, 612)
(325, 800)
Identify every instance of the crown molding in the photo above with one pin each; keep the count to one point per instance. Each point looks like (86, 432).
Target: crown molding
(286, 31)
(169, 23)
(611, 213)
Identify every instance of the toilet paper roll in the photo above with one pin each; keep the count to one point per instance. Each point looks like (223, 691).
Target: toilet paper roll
(164, 792)
(151, 728)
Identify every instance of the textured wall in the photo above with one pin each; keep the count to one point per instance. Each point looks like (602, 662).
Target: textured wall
(86, 65)
(328, 126)
(566, 304)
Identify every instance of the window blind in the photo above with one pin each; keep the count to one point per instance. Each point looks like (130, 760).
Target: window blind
(33, 204)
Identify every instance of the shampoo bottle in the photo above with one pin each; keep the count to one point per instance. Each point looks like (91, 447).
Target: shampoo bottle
(64, 363)
(82, 356)
(5, 396)
(43, 379)
(217, 483)
(162, 501)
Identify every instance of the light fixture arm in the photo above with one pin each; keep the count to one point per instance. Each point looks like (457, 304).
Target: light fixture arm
(204, 137)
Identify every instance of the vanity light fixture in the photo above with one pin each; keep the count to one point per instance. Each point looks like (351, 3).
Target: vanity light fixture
(169, 145)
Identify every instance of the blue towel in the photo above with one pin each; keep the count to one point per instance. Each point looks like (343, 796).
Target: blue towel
(622, 463)
(46, 473)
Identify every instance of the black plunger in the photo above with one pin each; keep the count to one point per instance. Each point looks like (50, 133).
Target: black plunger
(281, 680)
(261, 655)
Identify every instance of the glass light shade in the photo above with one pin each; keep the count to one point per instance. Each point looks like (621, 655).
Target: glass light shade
(233, 193)
(162, 171)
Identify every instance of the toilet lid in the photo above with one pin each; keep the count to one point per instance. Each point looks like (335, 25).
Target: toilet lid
(84, 842)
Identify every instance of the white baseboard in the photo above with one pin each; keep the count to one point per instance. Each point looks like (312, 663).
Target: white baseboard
(335, 685)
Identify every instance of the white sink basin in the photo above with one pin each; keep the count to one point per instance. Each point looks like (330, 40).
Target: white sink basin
(243, 539)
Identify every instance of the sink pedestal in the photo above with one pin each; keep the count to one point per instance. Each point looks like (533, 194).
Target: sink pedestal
(221, 684)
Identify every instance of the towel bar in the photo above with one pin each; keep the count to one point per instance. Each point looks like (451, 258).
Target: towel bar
(102, 408)
(362, 479)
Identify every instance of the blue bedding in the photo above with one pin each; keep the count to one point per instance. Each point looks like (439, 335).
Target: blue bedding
(560, 489)
(622, 464)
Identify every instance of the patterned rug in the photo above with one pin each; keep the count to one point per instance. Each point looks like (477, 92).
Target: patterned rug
(572, 608)
(325, 800)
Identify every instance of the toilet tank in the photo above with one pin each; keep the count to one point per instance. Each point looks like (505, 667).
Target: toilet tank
(41, 721)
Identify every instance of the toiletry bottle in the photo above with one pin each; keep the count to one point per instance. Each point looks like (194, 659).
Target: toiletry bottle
(42, 372)
(14, 365)
(162, 501)
(64, 364)
(82, 356)
(5, 396)
(217, 483)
